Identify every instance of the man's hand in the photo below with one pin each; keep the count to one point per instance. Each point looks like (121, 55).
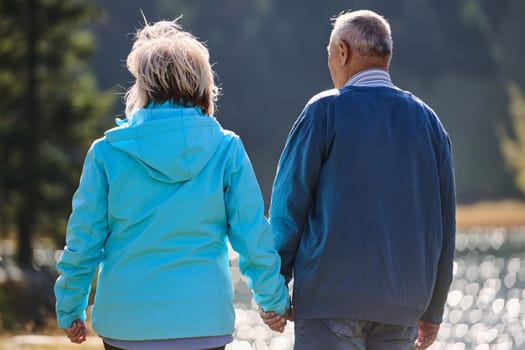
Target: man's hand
(289, 314)
(77, 332)
(275, 321)
(426, 334)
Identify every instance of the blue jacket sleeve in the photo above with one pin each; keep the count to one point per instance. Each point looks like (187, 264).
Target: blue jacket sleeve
(295, 184)
(250, 235)
(434, 311)
(86, 233)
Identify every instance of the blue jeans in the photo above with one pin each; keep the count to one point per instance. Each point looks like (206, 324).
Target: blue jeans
(352, 335)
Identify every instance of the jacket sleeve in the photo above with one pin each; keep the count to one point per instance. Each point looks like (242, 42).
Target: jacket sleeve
(295, 184)
(434, 311)
(250, 235)
(86, 233)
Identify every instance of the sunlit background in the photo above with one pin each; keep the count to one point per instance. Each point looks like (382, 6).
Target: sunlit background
(63, 73)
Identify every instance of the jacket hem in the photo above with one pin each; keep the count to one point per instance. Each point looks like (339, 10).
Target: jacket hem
(358, 310)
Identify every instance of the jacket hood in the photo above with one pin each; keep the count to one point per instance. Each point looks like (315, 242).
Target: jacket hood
(172, 143)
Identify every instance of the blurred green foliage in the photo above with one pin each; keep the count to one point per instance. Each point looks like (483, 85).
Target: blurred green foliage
(513, 147)
(50, 111)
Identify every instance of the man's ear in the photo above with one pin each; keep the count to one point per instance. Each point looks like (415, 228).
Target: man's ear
(344, 52)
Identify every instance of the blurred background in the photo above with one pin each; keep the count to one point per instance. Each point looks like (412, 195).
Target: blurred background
(63, 74)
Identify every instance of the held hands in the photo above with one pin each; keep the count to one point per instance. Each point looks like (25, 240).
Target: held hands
(275, 321)
(77, 332)
(426, 334)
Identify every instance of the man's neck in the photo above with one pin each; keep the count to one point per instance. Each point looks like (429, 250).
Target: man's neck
(358, 64)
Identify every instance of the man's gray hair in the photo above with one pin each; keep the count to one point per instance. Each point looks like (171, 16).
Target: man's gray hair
(364, 31)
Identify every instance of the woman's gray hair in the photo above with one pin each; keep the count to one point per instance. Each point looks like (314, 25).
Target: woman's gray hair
(169, 63)
(364, 31)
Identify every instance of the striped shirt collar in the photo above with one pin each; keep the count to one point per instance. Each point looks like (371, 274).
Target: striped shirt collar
(373, 77)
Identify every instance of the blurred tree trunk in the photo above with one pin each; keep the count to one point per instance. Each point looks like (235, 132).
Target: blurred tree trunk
(29, 189)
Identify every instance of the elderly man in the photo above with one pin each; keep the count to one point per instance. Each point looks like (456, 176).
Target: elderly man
(363, 204)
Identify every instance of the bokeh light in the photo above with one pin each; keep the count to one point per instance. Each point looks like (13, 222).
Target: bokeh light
(485, 308)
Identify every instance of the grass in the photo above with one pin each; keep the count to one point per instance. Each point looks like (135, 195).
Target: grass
(55, 342)
(491, 213)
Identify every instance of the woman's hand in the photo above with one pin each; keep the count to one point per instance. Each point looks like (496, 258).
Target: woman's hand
(275, 321)
(77, 332)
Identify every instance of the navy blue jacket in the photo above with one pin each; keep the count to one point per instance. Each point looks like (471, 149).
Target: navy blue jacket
(363, 208)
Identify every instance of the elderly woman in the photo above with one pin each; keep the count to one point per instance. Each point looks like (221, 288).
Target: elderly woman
(160, 197)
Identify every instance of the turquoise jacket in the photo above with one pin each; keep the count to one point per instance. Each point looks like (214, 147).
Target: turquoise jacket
(159, 198)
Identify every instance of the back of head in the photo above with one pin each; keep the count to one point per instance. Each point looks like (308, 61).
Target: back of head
(169, 63)
(367, 33)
